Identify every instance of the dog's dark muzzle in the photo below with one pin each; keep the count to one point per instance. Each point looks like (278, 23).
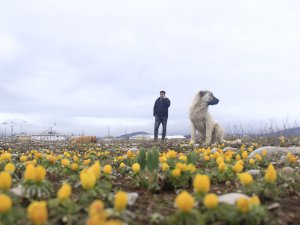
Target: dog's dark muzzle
(215, 101)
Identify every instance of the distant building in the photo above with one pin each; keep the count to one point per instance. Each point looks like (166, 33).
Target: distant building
(48, 137)
(23, 137)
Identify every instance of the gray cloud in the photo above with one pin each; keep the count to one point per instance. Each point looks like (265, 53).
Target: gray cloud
(97, 64)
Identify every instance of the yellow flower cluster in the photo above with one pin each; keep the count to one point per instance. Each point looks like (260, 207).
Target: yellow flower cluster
(5, 156)
(244, 205)
(5, 203)
(184, 202)
(120, 201)
(201, 184)
(271, 174)
(98, 215)
(136, 167)
(238, 167)
(245, 178)
(64, 192)
(107, 169)
(211, 201)
(9, 167)
(87, 179)
(291, 158)
(37, 212)
(33, 173)
(5, 181)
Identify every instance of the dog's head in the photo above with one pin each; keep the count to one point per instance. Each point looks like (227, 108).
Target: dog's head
(208, 97)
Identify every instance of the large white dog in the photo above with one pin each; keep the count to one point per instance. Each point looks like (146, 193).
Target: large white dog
(201, 121)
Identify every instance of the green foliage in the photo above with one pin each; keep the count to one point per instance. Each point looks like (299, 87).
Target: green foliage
(193, 157)
(182, 218)
(142, 158)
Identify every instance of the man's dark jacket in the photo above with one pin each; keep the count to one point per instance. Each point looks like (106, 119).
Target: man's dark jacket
(161, 107)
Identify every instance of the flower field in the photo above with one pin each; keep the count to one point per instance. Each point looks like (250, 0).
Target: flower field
(115, 183)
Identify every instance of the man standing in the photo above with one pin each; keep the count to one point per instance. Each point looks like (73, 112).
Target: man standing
(160, 111)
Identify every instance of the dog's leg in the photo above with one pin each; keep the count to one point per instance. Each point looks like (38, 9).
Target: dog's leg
(208, 133)
(193, 133)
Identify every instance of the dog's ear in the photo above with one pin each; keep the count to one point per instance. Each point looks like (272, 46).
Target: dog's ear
(201, 93)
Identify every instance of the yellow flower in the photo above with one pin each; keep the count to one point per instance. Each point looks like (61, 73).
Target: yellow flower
(176, 172)
(122, 165)
(264, 153)
(37, 212)
(5, 156)
(184, 202)
(211, 201)
(120, 201)
(238, 167)
(96, 208)
(251, 161)
(96, 169)
(206, 158)
(257, 157)
(40, 173)
(129, 154)
(136, 167)
(191, 168)
(183, 158)
(5, 203)
(181, 166)
(228, 159)
(107, 169)
(291, 158)
(171, 154)
(64, 192)
(23, 158)
(65, 162)
(222, 167)
(254, 201)
(165, 166)
(271, 174)
(9, 167)
(38, 155)
(5, 181)
(86, 162)
(243, 205)
(245, 178)
(245, 155)
(162, 159)
(87, 179)
(52, 159)
(220, 160)
(29, 172)
(238, 157)
(201, 183)
(75, 158)
(74, 166)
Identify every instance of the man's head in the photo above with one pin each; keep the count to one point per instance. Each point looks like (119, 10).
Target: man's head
(208, 97)
(162, 94)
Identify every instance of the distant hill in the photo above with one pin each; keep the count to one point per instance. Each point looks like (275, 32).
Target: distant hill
(124, 136)
(287, 132)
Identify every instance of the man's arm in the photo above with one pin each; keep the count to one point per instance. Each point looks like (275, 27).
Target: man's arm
(167, 102)
(154, 108)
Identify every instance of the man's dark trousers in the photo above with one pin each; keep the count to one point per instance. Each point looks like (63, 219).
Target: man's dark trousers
(158, 120)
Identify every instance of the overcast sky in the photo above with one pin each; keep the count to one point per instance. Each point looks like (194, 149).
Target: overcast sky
(94, 64)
